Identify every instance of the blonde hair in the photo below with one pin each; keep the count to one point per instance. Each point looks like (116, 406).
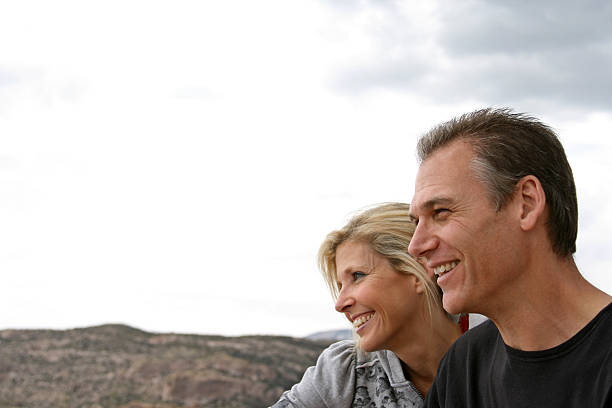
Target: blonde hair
(388, 228)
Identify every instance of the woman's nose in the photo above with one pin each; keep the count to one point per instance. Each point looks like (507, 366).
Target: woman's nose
(344, 301)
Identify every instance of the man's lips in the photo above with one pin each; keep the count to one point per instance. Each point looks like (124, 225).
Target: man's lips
(440, 270)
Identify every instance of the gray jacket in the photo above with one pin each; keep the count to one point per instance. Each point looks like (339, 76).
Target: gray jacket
(348, 377)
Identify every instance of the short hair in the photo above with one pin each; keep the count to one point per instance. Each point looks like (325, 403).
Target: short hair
(388, 229)
(508, 146)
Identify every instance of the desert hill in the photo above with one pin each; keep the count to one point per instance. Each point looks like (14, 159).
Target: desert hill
(120, 366)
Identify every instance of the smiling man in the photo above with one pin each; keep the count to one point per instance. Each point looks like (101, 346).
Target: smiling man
(497, 218)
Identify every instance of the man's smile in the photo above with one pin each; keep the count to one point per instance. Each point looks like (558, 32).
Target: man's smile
(440, 270)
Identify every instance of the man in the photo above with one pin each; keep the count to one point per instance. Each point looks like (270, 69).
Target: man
(496, 212)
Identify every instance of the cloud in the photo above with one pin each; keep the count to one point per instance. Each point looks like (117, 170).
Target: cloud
(520, 27)
(194, 92)
(28, 86)
(497, 53)
(356, 6)
(8, 78)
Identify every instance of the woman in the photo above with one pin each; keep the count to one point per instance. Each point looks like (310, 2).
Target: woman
(395, 310)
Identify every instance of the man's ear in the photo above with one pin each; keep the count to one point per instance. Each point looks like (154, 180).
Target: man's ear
(531, 200)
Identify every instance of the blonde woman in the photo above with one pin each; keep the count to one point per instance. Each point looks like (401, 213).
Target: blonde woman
(396, 313)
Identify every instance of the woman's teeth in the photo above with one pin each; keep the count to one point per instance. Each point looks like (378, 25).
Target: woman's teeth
(357, 323)
(442, 269)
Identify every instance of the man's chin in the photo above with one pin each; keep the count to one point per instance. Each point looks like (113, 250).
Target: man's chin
(452, 305)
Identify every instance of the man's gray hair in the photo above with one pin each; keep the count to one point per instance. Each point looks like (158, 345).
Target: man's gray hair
(507, 147)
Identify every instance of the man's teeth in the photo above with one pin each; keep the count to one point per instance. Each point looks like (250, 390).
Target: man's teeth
(361, 320)
(439, 270)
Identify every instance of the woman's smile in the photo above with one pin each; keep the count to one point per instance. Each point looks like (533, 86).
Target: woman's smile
(362, 320)
(379, 301)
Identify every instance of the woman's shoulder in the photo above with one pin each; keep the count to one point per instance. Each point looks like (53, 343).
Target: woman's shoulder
(342, 347)
(330, 381)
(347, 352)
(339, 356)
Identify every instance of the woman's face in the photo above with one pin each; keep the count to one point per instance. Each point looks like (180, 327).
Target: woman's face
(381, 303)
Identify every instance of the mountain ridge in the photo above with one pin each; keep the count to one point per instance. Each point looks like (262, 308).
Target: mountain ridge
(116, 365)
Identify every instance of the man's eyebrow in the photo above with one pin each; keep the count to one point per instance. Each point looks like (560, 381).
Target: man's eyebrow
(432, 202)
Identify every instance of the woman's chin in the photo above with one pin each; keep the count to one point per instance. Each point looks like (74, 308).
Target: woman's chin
(367, 346)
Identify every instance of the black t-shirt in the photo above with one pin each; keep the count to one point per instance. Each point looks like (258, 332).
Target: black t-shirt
(480, 370)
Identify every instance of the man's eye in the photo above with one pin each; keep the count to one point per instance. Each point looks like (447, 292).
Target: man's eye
(441, 211)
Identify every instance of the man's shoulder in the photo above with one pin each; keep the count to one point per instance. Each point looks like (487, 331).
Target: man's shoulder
(472, 349)
(597, 335)
(477, 337)
(461, 369)
(604, 315)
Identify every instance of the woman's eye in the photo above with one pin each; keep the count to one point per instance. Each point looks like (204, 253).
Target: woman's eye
(358, 275)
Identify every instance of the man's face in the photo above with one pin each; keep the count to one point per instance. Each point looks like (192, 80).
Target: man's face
(460, 234)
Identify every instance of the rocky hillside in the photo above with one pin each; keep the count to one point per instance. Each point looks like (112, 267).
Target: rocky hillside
(119, 366)
(331, 336)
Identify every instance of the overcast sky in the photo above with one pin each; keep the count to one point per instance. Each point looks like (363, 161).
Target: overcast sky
(175, 166)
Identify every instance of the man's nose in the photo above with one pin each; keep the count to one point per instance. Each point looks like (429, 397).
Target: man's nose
(423, 241)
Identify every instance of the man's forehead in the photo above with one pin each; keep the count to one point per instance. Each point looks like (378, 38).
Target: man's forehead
(440, 174)
(434, 201)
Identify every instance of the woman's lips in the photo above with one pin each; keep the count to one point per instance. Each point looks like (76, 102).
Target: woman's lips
(362, 320)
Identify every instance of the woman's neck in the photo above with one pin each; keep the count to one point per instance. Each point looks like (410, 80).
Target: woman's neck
(421, 355)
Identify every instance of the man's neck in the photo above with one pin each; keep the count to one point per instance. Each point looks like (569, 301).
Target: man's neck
(547, 307)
